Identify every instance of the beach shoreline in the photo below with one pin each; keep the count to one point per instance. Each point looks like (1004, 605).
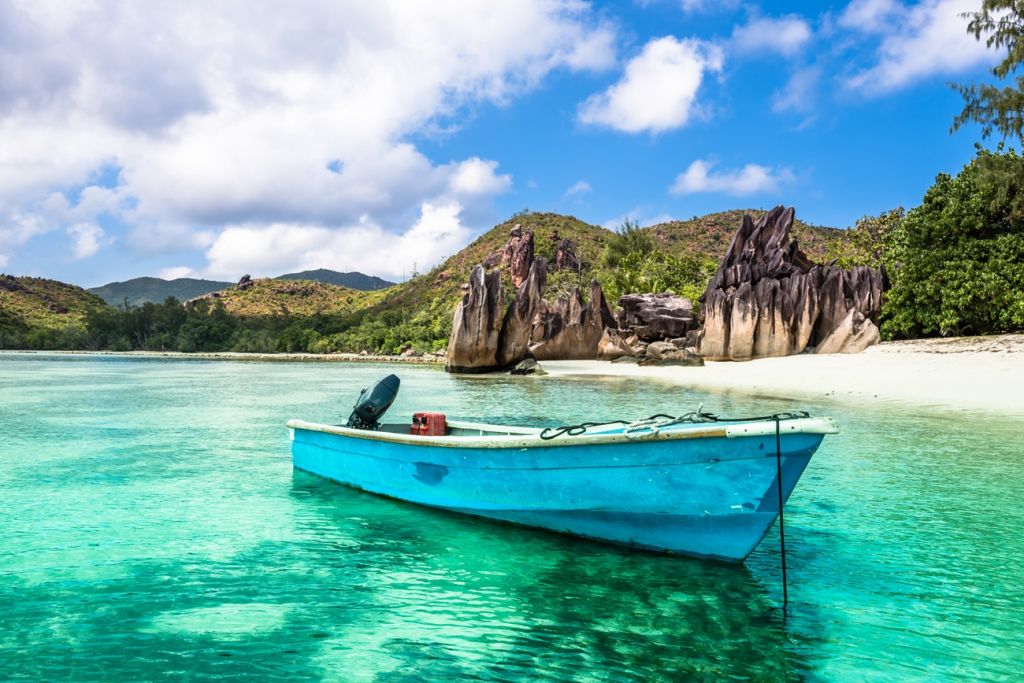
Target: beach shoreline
(426, 359)
(978, 374)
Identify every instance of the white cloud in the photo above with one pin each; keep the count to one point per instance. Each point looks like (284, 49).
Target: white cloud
(783, 35)
(16, 230)
(871, 16)
(931, 39)
(477, 177)
(85, 239)
(751, 179)
(658, 90)
(579, 187)
(799, 92)
(266, 250)
(175, 272)
(216, 114)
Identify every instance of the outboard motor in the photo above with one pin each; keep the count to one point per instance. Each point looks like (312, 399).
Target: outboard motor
(373, 402)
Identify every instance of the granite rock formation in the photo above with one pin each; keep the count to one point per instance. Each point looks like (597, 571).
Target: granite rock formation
(570, 329)
(488, 336)
(768, 299)
(517, 256)
(476, 327)
(653, 317)
(517, 325)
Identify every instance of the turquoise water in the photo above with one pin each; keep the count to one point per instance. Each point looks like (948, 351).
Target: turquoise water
(152, 528)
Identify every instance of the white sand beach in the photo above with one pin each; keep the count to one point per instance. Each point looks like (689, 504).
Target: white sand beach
(975, 374)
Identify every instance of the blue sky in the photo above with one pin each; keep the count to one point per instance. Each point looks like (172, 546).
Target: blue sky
(215, 140)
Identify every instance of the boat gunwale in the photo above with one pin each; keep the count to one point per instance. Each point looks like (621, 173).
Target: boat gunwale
(529, 437)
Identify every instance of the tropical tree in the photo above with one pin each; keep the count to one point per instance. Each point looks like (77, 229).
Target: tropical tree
(629, 239)
(995, 107)
(958, 259)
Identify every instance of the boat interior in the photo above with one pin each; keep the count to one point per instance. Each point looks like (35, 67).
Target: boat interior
(464, 429)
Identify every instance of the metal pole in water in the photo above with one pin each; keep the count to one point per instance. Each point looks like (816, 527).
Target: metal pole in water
(782, 520)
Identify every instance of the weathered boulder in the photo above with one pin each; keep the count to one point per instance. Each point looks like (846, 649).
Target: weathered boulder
(517, 324)
(659, 349)
(527, 366)
(565, 256)
(853, 334)
(517, 256)
(476, 327)
(245, 282)
(768, 299)
(683, 357)
(655, 316)
(613, 346)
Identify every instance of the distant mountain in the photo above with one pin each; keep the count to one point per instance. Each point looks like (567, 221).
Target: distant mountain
(142, 289)
(366, 283)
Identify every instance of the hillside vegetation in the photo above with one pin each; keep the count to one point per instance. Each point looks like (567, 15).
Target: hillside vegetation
(709, 236)
(41, 313)
(295, 298)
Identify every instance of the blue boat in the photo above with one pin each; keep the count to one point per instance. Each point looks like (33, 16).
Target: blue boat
(694, 485)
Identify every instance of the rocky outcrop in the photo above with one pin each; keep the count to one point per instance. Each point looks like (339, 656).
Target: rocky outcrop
(668, 353)
(517, 325)
(853, 334)
(517, 256)
(476, 327)
(612, 346)
(652, 317)
(768, 299)
(570, 329)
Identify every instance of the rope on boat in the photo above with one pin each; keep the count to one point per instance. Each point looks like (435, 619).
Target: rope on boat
(655, 423)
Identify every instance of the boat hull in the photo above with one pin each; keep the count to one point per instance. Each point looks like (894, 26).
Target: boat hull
(712, 497)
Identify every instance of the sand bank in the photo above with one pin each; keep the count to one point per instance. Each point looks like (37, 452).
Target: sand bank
(951, 374)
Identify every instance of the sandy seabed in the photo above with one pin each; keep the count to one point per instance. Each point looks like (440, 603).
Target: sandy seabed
(976, 374)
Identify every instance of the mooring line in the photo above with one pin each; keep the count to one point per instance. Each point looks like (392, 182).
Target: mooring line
(782, 519)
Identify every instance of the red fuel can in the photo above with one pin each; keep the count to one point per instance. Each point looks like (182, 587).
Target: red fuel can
(429, 424)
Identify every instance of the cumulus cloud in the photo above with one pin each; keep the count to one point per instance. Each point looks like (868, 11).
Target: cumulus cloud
(658, 90)
(218, 114)
(785, 35)
(85, 239)
(265, 250)
(750, 179)
(929, 38)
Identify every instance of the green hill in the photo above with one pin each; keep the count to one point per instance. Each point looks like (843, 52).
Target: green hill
(40, 313)
(296, 298)
(139, 290)
(353, 280)
(710, 235)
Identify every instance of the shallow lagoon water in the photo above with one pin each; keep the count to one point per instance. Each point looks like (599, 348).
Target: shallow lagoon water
(152, 528)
